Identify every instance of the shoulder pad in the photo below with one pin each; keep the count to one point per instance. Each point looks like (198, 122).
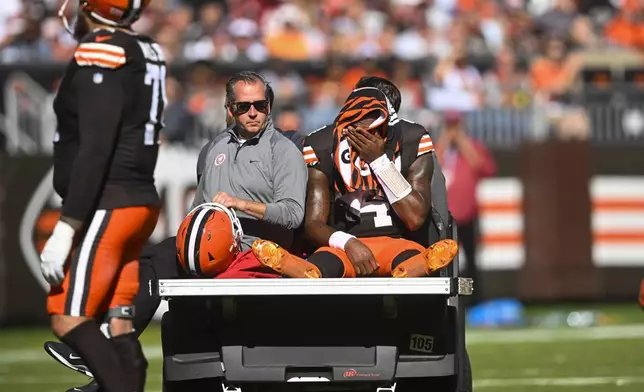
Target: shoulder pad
(323, 128)
(321, 135)
(410, 126)
(413, 131)
(416, 136)
(318, 145)
(101, 49)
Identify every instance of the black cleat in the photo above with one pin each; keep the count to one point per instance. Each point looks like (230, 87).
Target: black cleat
(91, 387)
(63, 354)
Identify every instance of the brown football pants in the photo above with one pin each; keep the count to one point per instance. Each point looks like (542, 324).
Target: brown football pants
(102, 271)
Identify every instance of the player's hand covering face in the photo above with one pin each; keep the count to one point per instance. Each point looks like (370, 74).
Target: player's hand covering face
(369, 145)
(362, 134)
(251, 108)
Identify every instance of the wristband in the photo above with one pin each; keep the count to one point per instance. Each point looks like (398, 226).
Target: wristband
(392, 181)
(339, 239)
(380, 162)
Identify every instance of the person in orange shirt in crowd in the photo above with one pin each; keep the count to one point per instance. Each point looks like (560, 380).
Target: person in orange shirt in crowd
(368, 66)
(465, 163)
(553, 74)
(552, 77)
(289, 40)
(627, 27)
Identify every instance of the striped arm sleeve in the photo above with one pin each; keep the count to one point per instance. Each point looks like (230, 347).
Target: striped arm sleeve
(102, 55)
(425, 145)
(309, 156)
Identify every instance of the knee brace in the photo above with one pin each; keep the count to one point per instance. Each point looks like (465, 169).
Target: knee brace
(122, 312)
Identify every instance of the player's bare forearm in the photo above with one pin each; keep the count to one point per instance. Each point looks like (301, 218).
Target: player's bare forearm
(317, 209)
(414, 208)
(318, 232)
(253, 208)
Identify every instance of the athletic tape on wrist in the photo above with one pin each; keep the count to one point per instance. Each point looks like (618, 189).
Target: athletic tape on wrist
(379, 163)
(393, 183)
(63, 229)
(339, 239)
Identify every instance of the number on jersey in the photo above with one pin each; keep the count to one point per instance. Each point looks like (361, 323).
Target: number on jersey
(381, 209)
(154, 77)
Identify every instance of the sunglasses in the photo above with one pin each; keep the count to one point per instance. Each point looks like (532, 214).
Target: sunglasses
(243, 107)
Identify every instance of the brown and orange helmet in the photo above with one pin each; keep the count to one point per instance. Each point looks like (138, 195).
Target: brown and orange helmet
(116, 13)
(208, 240)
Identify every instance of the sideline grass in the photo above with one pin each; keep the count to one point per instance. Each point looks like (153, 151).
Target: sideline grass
(536, 360)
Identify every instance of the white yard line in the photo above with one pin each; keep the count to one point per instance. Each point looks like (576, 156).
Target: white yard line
(8, 357)
(476, 337)
(478, 383)
(559, 382)
(618, 332)
(67, 378)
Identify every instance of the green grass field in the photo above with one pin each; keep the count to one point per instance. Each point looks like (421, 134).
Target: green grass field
(598, 359)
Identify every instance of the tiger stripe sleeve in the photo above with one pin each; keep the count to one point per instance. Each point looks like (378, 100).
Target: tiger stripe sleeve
(309, 156)
(425, 145)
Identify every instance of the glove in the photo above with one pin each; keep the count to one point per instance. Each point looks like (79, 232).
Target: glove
(55, 253)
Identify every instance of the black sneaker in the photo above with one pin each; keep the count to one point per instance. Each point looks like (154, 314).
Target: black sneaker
(67, 357)
(91, 387)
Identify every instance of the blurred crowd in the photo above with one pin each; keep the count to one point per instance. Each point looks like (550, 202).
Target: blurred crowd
(534, 51)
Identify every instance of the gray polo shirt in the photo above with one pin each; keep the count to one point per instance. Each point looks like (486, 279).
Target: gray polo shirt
(268, 169)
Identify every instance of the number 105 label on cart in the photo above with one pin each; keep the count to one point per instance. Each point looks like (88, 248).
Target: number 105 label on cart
(421, 343)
